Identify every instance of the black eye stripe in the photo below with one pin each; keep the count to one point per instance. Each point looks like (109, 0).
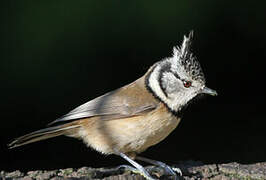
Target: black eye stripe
(176, 75)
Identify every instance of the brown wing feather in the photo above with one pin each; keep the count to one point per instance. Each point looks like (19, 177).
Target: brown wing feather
(130, 100)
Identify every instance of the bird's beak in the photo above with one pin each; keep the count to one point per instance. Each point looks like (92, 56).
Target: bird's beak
(209, 91)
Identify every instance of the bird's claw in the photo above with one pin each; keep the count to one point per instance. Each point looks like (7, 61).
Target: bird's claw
(144, 173)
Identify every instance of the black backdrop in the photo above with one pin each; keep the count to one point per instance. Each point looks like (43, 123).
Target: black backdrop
(56, 55)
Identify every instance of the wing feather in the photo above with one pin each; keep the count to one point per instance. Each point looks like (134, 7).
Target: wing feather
(130, 100)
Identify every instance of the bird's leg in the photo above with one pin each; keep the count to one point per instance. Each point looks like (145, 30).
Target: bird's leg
(168, 169)
(138, 168)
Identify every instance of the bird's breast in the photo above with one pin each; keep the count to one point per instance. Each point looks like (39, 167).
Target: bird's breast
(152, 128)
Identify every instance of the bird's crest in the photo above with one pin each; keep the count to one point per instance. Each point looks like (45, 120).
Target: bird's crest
(187, 60)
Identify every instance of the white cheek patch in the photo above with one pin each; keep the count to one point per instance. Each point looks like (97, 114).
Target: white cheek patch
(170, 82)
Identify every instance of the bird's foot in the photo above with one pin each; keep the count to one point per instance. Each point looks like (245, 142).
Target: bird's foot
(142, 172)
(167, 169)
(170, 170)
(177, 170)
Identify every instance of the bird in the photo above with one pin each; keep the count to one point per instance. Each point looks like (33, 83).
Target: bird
(130, 119)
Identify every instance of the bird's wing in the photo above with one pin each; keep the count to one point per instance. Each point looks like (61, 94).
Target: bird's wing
(130, 100)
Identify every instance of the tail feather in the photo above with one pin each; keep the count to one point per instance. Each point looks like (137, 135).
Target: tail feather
(42, 134)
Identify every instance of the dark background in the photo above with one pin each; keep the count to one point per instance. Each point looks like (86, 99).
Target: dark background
(56, 55)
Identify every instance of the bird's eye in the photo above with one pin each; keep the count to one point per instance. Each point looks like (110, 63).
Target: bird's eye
(187, 84)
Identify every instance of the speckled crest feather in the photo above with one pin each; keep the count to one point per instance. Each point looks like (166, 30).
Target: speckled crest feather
(187, 60)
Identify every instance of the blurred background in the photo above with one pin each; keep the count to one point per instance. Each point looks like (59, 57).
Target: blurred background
(56, 55)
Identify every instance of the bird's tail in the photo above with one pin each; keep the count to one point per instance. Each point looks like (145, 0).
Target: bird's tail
(42, 134)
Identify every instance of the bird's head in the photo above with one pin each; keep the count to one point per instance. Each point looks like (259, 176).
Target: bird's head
(178, 79)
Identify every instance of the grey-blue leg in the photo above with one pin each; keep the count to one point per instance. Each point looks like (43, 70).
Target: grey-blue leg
(138, 168)
(168, 169)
